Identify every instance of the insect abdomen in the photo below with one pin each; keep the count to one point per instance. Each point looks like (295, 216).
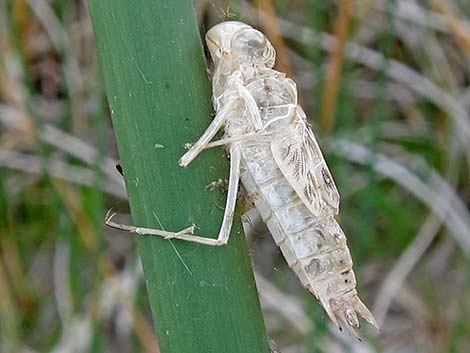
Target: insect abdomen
(304, 239)
(315, 248)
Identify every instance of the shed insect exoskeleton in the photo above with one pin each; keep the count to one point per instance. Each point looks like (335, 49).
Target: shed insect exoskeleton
(274, 153)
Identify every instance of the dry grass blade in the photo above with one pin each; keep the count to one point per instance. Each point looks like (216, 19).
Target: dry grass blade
(334, 65)
(271, 29)
(460, 32)
(65, 142)
(411, 11)
(403, 267)
(287, 306)
(80, 149)
(435, 193)
(59, 169)
(60, 39)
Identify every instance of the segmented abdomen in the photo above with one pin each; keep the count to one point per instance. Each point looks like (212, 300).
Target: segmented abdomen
(315, 248)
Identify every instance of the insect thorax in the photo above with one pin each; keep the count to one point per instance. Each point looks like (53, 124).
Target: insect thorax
(274, 94)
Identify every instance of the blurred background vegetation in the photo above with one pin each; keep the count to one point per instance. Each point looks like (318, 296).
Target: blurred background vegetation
(386, 85)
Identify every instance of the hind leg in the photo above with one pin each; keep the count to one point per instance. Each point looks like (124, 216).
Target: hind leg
(186, 234)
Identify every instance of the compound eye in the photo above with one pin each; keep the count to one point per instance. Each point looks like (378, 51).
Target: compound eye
(249, 44)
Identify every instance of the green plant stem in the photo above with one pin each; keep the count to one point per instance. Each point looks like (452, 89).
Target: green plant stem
(203, 298)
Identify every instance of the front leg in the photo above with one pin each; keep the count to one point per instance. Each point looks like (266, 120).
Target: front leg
(215, 126)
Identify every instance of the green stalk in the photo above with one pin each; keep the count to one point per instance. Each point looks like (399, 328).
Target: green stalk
(203, 298)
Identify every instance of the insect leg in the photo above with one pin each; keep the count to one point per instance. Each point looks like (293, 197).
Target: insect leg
(186, 234)
(229, 212)
(259, 133)
(142, 230)
(252, 107)
(232, 139)
(215, 126)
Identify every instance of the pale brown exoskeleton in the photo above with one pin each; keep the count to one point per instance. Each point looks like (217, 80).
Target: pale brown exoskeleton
(274, 153)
